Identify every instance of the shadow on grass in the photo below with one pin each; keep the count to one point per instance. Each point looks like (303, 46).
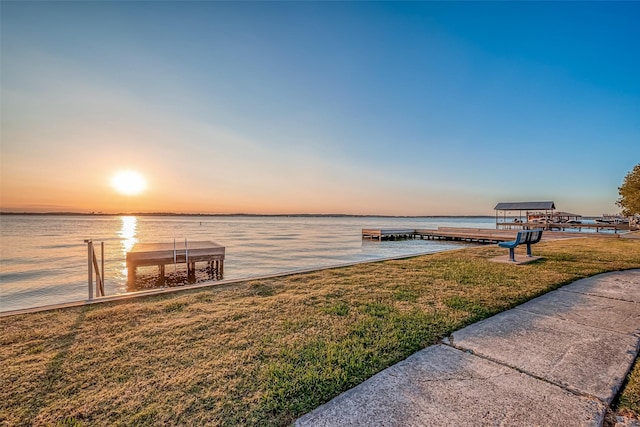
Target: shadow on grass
(54, 372)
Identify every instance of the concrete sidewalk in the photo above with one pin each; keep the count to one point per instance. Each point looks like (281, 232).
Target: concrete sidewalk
(559, 359)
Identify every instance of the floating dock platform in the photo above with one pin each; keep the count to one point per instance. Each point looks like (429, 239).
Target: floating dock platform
(161, 254)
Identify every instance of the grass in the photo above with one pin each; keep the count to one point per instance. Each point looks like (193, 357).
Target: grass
(629, 399)
(627, 403)
(264, 352)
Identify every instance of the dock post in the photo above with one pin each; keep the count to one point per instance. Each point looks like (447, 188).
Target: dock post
(90, 266)
(161, 274)
(131, 276)
(102, 268)
(191, 271)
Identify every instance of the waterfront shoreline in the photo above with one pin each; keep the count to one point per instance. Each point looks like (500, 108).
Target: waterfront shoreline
(44, 258)
(167, 290)
(263, 352)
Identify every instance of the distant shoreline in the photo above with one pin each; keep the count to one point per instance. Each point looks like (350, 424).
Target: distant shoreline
(239, 214)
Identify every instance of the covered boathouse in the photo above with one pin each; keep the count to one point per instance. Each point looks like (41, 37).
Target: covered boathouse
(509, 214)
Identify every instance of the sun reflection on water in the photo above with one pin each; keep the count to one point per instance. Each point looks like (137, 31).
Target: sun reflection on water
(128, 237)
(128, 232)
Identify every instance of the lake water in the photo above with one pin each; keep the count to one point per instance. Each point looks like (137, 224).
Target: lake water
(43, 258)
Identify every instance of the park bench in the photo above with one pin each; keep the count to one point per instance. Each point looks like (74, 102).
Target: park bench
(528, 237)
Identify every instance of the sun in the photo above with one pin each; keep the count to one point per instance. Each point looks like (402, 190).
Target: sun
(128, 183)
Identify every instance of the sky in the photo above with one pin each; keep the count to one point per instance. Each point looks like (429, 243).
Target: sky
(417, 108)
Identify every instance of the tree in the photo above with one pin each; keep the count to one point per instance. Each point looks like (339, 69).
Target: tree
(629, 192)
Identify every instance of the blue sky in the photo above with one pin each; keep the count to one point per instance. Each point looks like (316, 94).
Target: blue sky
(334, 107)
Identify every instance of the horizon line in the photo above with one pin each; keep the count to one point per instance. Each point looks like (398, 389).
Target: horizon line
(71, 213)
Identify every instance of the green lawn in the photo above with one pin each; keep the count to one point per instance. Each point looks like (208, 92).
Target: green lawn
(628, 401)
(264, 352)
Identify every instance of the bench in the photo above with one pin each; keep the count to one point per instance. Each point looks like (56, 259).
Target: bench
(528, 237)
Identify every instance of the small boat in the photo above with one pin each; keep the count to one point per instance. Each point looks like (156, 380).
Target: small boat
(612, 219)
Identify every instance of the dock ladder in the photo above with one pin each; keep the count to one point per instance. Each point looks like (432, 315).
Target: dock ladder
(191, 266)
(180, 252)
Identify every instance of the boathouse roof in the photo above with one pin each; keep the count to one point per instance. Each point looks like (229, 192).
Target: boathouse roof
(524, 206)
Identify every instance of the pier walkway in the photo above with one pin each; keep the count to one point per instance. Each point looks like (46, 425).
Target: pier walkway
(557, 360)
(471, 235)
(478, 235)
(562, 226)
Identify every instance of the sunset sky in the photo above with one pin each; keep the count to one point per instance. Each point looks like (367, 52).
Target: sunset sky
(304, 107)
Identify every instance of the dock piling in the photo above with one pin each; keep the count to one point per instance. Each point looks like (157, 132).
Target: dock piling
(92, 264)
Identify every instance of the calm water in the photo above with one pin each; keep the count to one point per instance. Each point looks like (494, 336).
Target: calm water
(43, 259)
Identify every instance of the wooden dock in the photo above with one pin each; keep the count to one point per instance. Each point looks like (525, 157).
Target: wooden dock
(477, 235)
(161, 254)
(388, 234)
(470, 235)
(562, 226)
